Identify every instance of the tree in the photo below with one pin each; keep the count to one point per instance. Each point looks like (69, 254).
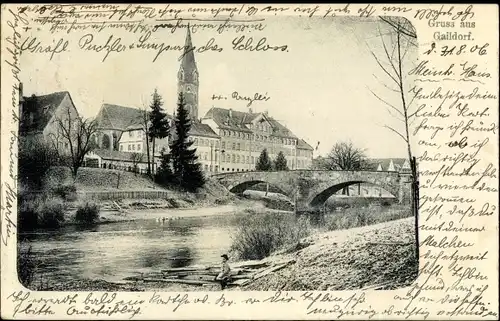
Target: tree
(403, 37)
(345, 156)
(136, 158)
(264, 163)
(187, 171)
(280, 163)
(164, 175)
(80, 135)
(159, 126)
(34, 160)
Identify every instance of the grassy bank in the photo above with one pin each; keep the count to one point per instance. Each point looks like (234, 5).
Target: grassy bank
(63, 201)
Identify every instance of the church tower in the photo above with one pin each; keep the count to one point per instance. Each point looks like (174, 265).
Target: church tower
(187, 78)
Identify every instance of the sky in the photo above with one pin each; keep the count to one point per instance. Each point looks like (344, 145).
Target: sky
(319, 89)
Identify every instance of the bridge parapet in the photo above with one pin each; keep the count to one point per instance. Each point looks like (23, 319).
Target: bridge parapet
(311, 188)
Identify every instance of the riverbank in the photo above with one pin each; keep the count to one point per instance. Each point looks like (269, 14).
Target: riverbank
(380, 256)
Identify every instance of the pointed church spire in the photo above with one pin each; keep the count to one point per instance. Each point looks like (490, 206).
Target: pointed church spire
(188, 62)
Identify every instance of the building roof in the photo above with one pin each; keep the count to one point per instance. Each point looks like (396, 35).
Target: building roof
(188, 63)
(238, 120)
(302, 144)
(199, 129)
(43, 108)
(118, 117)
(115, 155)
(385, 162)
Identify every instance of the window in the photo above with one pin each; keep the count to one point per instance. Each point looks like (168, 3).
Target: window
(206, 168)
(223, 145)
(139, 133)
(233, 158)
(138, 146)
(206, 156)
(228, 158)
(238, 146)
(234, 146)
(237, 158)
(130, 134)
(129, 147)
(196, 141)
(216, 156)
(195, 75)
(248, 159)
(181, 74)
(121, 147)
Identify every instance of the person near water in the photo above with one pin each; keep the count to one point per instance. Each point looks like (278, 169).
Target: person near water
(224, 277)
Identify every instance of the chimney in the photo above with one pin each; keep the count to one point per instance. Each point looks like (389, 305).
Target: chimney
(250, 110)
(230, 113)
(265, 112)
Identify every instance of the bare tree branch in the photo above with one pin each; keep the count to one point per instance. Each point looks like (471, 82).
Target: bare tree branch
(395, 131)
(385, 70)
(387, 54)
(385, 102)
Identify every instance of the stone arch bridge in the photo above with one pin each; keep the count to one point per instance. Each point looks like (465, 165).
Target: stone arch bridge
(311, 188)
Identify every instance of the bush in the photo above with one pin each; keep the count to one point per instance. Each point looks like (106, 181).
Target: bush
(87, 213)
(51, 213)
(27, 218)
(39, 211)
(65, 191)
(259, 235)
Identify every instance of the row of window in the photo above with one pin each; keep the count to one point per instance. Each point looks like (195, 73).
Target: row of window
(131, 147)
(234, 158)
(205, 142)
(264, 138)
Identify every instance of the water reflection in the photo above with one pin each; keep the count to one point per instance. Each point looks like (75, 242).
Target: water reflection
(181, 257)
(117, 250)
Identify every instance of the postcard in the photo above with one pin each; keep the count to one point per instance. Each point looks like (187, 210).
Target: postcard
(238, 161)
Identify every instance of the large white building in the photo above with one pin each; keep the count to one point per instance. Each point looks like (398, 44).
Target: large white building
(226, 140)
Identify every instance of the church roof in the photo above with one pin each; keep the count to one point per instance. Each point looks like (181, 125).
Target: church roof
(118, 117)
(43, 109)
(188, 63)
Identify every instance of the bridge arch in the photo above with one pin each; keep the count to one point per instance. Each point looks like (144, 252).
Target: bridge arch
(243, 186)
(320, 198)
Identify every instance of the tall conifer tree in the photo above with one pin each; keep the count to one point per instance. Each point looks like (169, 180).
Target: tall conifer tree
(186, 169)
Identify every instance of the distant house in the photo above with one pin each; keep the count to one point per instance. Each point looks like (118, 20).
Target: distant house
(40, 116)
(391, 164)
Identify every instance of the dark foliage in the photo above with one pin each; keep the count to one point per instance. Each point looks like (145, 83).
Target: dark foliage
(87, 213)
(34, 160)
(187, 171)
(264, 162)
(280, 163)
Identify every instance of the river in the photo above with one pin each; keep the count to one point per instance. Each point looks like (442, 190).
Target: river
(117, 250)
